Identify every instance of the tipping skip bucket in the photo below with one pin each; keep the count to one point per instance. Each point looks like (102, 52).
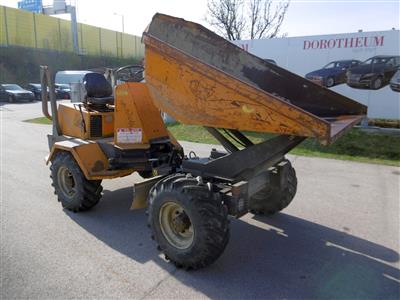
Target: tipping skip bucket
(200, 78)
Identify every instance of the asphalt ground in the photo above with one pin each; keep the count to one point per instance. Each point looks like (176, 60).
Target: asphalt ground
(339, 239)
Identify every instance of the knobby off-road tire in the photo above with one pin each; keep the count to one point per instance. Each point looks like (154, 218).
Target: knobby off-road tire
(273, 198)
(188, 221)
(73, 190)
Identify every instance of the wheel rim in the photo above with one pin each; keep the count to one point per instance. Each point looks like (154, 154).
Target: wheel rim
(378, 83)
(66, 182)
(176, 225)
(330, 82)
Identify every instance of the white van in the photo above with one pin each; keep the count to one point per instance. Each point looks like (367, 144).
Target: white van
(75, 81)
(68, 77)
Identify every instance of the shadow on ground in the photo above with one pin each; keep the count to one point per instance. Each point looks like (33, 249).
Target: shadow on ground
(288, 258)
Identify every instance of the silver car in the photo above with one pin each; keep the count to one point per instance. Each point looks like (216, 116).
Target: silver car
(15, 93)
(395, 82)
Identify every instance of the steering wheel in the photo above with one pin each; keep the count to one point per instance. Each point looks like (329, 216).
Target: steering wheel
(131, 73)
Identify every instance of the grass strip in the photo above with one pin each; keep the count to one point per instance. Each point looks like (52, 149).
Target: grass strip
(356, 145)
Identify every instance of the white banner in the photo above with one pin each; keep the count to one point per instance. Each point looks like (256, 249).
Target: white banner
(360, 65)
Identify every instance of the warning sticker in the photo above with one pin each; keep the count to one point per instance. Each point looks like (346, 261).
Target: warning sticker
(129, 135)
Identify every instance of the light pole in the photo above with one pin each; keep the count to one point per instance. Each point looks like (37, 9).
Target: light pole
(122, 19)
(60, 7)
(123, 31)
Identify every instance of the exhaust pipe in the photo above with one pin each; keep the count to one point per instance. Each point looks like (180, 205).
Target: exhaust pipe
(46, 80)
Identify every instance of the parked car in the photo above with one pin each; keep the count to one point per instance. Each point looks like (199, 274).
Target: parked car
(374, 73)
(63, 91)
(333, 73)
(15, 93)
(395, 82)
(36, 89)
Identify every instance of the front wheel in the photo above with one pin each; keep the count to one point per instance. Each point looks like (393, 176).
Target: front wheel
(11, 99)
(74, 191)
(188, 221)
(330, 82)
(376, 84)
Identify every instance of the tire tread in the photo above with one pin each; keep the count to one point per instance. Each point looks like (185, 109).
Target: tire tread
(90, 191)
(271, 200)
(214, 221)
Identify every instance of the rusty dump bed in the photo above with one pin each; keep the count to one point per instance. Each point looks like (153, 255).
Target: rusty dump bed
(200, 78)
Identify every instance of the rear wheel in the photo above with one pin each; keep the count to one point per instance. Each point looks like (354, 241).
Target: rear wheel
(273, 199)
(11, 99)
(74, 191)
(188, 221)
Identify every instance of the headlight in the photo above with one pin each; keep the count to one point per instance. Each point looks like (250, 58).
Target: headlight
(314, 77)
(368, 75)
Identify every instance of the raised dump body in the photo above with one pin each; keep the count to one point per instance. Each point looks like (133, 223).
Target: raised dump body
(200, 78)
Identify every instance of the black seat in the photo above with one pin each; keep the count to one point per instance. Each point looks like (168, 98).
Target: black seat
(98, 89)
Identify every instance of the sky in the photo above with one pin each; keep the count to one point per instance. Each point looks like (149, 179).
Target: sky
(304, 17)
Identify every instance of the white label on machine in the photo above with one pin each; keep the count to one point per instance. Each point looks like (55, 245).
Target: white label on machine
(129, 135)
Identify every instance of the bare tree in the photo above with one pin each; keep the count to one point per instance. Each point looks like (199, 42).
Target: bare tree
(247, 19)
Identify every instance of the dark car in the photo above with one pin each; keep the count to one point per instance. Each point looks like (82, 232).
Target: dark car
(395, 82)
(374, 73)
(63, 91)
(14, 93)
(36, 89)
(333, 73)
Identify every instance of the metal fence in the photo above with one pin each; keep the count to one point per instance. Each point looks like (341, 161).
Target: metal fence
(26, 29)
